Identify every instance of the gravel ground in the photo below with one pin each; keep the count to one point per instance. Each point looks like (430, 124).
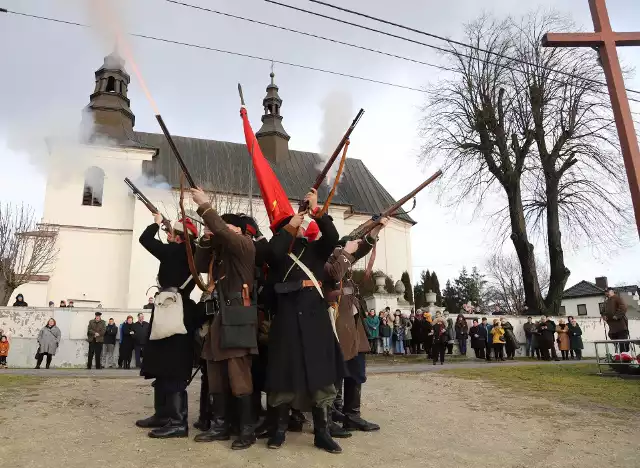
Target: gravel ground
(427, 420)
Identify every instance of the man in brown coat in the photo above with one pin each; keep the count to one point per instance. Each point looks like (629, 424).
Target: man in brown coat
(95, 336)
(615, 314)
(350, 329)
(228, 369)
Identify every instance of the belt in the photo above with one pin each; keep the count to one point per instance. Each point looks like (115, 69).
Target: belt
(292, 286)
(309, 284)
(171, 290)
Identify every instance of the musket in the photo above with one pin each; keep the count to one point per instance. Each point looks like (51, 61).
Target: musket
(316, 185)
(150, 206)
(175, 151)
(366, 227)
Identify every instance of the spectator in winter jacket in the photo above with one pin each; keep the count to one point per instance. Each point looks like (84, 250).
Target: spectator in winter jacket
(110, 343)
(372, 325)
(478, 335)
(398, 334)
(498, 340)
(408, 336)
(385, 332)
(149, 305)
(417, 333)
(511, 342)
(4, 351)
(48, 342)
(615, 314)
(20, 301)
(140, 336)
(126, 342)
(440, 339)
(488, 327)
(546, 333)
(451, 333)
(575, 338)
(529, 329)
(462, 334)
(564, 343)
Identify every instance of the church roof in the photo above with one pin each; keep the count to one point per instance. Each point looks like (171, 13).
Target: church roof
(583, 289)
(225, 167)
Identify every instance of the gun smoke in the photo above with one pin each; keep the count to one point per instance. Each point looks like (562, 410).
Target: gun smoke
(337, 109)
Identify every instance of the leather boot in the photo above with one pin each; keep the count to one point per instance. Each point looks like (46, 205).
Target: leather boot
(296, 421)
(178, 425)
(322, 438)
(204, 418)
(352, 399)
(279, 434)
(159, 418)
(219, 429)
(267, 426)
(245, 415)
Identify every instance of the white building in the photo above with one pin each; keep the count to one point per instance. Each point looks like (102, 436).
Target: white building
(586, 299)
(98, 221)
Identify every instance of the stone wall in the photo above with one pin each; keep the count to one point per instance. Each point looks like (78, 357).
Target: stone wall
(22, 326)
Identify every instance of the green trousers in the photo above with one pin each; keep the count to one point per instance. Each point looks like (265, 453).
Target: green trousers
(321, 398)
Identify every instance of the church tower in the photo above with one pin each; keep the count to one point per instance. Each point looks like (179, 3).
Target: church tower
(109, 105)
(272, 137)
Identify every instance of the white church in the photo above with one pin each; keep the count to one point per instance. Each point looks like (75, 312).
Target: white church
(98, 221)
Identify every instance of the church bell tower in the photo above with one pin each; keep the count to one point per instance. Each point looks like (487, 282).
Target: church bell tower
(109, 105)
(272, 137)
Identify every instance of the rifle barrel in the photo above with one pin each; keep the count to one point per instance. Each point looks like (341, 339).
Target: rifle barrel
(175, 151)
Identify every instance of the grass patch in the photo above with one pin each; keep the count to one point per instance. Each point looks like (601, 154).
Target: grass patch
(8, 381)
(575, 382)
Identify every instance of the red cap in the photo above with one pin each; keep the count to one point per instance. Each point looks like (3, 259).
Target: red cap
(312, 231)
(181, 224)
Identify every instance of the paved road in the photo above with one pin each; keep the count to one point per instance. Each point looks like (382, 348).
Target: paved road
(371, 369)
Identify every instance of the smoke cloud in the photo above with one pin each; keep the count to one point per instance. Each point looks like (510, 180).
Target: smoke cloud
(337, 109)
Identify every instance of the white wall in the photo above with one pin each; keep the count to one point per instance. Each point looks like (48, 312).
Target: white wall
(592, 303)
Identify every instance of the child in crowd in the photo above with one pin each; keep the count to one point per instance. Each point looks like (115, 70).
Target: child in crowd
(4, 351)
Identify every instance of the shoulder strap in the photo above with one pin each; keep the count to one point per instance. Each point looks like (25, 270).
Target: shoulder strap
(308, 272)
(184, 285)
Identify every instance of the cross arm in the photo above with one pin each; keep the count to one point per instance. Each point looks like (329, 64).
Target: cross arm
(627, 38)
(572, 40)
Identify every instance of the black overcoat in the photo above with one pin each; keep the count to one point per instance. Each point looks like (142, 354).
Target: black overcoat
(172, 357)
(304, 354)
(481, 340)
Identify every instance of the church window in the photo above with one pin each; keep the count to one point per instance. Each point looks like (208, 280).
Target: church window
(111, 85)
(93, 187)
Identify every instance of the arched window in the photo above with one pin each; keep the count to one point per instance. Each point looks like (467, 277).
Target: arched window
(111, 85)
(93, 187)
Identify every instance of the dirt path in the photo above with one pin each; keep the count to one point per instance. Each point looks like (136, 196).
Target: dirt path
(427, 420)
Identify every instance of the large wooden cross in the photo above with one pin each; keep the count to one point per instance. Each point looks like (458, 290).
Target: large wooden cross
(606, 41)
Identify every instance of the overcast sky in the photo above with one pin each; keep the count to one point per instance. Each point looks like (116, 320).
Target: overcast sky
(48, 76)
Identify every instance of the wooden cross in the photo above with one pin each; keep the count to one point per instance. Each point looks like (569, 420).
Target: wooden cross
(606, 41)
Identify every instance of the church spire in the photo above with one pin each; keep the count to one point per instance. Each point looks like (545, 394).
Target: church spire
(109, 105)
(272, 137)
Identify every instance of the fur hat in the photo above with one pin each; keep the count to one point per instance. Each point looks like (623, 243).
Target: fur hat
(236, 220)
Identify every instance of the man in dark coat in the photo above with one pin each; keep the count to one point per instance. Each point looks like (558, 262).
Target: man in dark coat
(20, 301)
(615, 314)
(95, 336)
(529, 329)
(140, 336)
(110, 343)
(551, 326)
(479, 338)
(169, 360)
(341, 292)
(546, 336)
(305, 359)
(486, 326)
(228, 369)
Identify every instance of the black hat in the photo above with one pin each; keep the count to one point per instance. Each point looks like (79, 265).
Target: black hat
(235, 220)
(98, 313)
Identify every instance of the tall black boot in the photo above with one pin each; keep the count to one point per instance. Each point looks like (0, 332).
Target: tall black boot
(178, 425)
(159, 418)
(204, 418)
(296, 421)
(322, 439)
(282, 424)
(352, 400)
(39, 361)
(245, 415)
(267, 426)
(219, 429)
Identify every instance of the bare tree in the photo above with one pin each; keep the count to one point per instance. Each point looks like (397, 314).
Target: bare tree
(504, 283)
(543, 130)
(26, 249)
(473, 120)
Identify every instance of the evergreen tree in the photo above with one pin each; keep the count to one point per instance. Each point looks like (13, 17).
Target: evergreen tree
(425, 280)
(408, 289)
(418, 296)
(435, 287)
(451, 299)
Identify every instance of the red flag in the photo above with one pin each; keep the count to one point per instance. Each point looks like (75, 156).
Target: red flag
(273, 195)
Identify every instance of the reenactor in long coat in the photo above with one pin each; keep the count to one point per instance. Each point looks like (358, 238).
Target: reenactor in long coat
(305, 359)
(341, 293)
(169, 360)
(228, 369)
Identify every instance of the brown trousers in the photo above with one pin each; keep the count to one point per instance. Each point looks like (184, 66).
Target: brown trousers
(231, 374)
